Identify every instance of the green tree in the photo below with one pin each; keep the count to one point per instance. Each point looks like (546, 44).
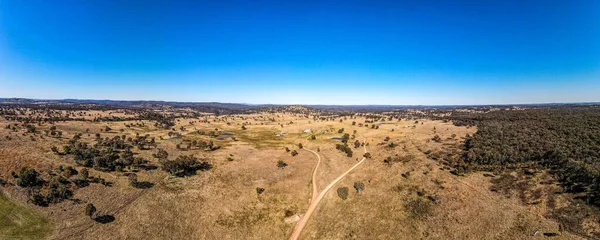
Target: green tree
(28, 177)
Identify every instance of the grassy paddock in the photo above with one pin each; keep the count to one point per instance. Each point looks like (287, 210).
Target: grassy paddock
(19, 222)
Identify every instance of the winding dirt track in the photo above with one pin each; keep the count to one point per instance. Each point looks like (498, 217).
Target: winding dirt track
(315, 200)
(315, 192)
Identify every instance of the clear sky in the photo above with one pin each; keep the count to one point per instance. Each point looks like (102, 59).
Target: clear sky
(302, 52)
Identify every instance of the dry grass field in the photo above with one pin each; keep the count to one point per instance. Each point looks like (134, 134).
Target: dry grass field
(410, 196)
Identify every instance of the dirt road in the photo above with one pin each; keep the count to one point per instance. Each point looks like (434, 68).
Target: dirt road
(315, 201)
(315, 191)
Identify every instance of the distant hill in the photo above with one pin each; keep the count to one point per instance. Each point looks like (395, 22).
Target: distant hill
(240, 107)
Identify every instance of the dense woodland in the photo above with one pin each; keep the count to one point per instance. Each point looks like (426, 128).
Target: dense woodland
(563, 139)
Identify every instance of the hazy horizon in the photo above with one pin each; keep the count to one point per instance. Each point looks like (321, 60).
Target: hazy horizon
(299, 104)
(325, 53)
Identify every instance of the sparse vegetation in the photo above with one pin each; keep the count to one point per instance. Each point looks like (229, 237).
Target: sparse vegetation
(418, 208)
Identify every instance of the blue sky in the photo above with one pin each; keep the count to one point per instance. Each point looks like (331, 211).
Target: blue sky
(304, 52)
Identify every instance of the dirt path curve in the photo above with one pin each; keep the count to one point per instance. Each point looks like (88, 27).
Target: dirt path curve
(315, 202)
(315, 191)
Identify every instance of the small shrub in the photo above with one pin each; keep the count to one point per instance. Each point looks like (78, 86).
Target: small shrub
(359, 187)
(281, 164)
(342, 193)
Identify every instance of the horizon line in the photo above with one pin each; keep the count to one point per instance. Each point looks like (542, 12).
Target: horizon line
(298, 104)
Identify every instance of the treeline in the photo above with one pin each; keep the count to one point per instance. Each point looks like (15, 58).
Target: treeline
(35, 114)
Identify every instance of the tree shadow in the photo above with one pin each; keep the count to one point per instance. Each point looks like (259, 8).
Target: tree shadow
(143, 185)
(104, 218)
(148, 167)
